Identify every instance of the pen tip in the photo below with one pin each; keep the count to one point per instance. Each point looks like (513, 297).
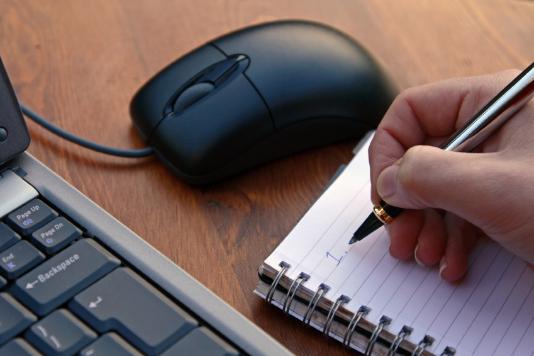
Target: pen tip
(370, 225)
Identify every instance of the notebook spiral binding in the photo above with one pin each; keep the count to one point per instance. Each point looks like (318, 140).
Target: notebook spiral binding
(332, 313)
(323, 288)
(303, 277)
(403, 334)
(360, 315)
(384, 321)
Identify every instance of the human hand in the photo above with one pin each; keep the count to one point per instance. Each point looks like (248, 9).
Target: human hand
(454, 197)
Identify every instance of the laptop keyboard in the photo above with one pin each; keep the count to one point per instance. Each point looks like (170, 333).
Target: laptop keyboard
(62, 293)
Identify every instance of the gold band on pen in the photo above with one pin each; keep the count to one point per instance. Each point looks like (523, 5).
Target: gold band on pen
(382, 215)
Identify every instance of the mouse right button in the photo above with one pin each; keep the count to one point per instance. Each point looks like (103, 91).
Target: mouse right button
(307, 70)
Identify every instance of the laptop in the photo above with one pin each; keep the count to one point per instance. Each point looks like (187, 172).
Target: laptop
(74, 280)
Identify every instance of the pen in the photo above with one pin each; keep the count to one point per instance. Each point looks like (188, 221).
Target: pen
(495, 113)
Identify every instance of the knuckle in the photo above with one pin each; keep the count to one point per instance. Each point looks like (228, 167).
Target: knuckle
(406, 178)
(411, 169)
(502, 78)
(510, 73)
(404, 96)
(416, 156)
(418, 175)
(380, 151)
(409, 165)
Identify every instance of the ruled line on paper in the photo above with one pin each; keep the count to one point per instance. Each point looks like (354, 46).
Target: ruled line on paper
(436, 320)
(382, 283)
(396, 289)
(496, 284)
(523, 336)
(500, 309)
(475, 298)
(514, 319)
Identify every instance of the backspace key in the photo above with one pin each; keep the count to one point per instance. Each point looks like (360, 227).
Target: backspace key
(63, 276)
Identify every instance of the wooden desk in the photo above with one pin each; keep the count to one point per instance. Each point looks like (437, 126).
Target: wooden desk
(79, 63)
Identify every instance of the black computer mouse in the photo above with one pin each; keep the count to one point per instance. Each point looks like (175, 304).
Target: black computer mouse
(259, 93)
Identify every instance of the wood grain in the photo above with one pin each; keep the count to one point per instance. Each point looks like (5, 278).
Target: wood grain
(79, 62)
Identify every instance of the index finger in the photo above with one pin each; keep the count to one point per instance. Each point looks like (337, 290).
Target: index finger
(427, 114)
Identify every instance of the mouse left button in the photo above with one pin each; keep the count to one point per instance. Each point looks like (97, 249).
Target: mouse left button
(146, 107)
(191, 95)
(203, 142)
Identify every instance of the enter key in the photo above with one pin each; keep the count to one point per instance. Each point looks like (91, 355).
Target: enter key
(124, 302)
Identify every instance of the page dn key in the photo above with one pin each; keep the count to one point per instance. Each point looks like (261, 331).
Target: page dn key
(55, 235)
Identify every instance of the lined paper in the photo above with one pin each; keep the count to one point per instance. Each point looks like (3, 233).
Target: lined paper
(491, 312)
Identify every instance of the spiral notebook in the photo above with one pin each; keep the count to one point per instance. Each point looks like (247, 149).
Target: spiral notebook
(373, 303)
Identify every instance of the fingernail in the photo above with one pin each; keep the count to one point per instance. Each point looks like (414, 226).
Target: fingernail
(417, 259)
(387, 181)
(442, 266)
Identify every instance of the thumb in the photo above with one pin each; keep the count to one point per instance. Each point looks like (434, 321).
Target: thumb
(428, 177)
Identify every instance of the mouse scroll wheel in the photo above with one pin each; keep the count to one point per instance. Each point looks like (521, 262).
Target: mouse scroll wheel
(191, 95)
(222, 70)
(214, 76)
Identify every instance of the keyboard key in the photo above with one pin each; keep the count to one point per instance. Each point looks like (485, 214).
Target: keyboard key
(122, 301)
(31, 216)
(8, 237)
(18, 347)
(110, 344)
(63, 276)
(14, 318)
(55, 235)
(3, 282)
(60, 333)
(201, 342)
(18, 259)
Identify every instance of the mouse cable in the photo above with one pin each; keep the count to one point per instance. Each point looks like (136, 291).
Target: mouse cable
(120, 152)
